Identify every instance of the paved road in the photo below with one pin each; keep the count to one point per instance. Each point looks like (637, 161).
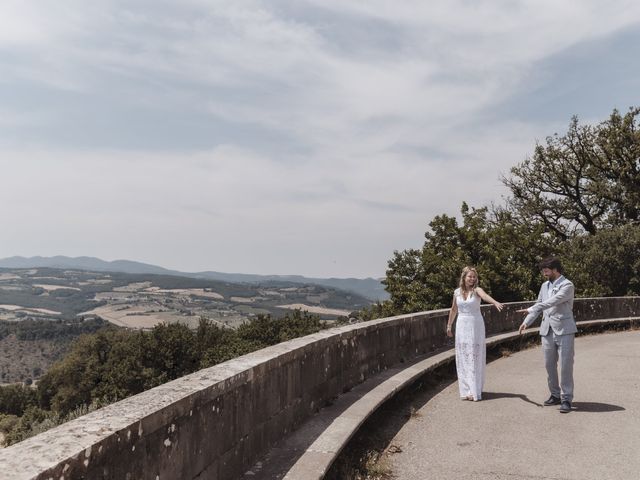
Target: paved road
(510, 435)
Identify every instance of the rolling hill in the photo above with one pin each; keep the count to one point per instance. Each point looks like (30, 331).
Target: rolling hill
(369, 288)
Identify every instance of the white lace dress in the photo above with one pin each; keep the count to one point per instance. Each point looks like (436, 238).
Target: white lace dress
(471, 350)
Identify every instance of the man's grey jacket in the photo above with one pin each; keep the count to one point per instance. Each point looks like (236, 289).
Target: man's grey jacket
(555, 301)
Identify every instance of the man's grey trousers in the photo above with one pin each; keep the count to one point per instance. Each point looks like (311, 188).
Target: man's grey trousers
(559, 347)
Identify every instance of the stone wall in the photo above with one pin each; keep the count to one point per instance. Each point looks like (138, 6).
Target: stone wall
(215, 423)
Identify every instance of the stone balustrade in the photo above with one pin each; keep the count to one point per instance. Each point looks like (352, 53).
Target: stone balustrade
(215, 423)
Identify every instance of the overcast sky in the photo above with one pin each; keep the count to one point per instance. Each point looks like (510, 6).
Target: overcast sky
(309, 137)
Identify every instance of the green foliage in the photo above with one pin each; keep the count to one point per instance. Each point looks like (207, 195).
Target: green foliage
(170, 351)
(605, 264)
(7, 423)
(125, 366)
(217, 344)
(36, 420)
(32, 329)
(261, 331)
(16, 398)
(108, 364)
(377, 310)
(56, 330)
(28, 424)
(296, 324)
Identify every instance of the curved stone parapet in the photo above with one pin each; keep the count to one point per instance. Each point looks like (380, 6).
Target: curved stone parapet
(213, 424)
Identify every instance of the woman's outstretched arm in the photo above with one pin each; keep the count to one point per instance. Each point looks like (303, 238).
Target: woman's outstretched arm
(487, 298)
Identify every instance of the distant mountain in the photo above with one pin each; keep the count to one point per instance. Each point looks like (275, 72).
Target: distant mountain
(84, 263)
(368, 287)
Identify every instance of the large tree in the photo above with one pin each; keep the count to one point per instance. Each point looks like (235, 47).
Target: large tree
(584, 180)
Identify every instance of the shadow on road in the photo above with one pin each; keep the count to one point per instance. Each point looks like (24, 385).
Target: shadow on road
(595, 407)
(496, 395)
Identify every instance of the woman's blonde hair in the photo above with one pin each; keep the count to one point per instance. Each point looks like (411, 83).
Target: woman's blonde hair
(463, 275)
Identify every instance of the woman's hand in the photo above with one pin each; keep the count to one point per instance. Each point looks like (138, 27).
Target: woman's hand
(449, 332)
(499, 306)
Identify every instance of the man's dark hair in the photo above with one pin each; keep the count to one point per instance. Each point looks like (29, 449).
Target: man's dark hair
(551, 262)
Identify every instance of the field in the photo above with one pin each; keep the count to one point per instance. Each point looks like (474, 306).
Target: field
(143, 300)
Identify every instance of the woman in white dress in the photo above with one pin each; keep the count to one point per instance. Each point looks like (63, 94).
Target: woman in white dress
(471, 350)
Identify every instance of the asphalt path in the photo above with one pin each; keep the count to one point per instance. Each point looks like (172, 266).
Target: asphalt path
(510, 435)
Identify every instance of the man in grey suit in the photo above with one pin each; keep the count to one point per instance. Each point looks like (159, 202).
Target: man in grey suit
(558, 329)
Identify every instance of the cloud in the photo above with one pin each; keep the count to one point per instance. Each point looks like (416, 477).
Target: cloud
(281, 137)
